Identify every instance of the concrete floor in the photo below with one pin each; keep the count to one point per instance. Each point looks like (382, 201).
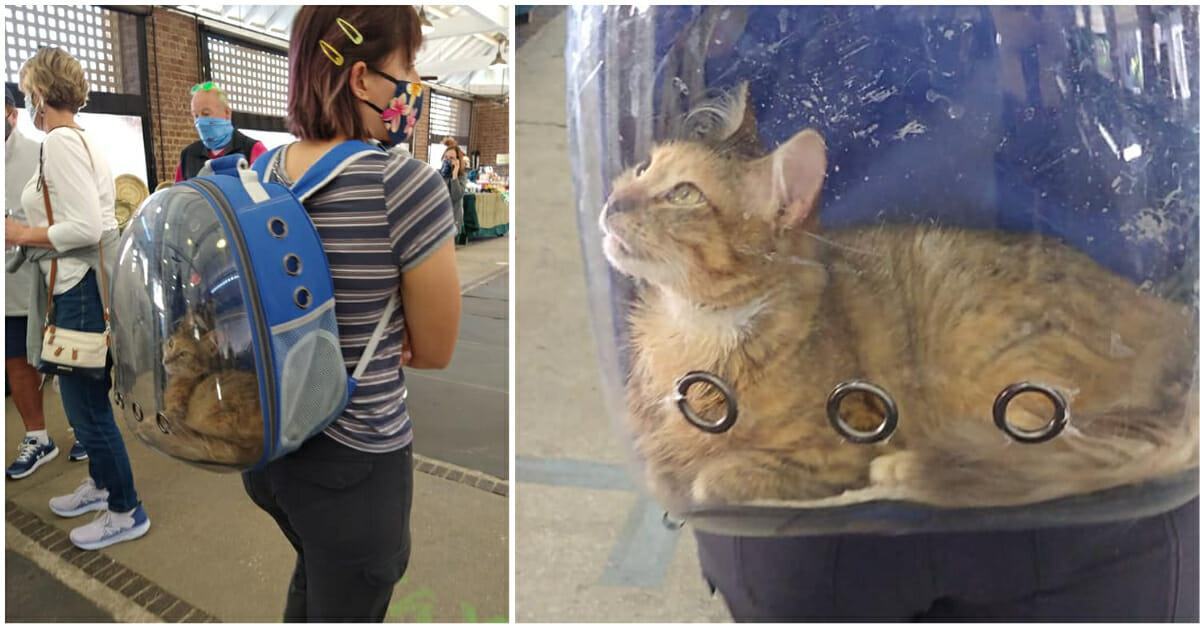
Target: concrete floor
(464, 409)
(212, 547)
(31, 594)
(589, 546)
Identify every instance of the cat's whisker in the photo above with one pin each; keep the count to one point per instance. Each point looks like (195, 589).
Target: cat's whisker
(839, 245)
(802, 261)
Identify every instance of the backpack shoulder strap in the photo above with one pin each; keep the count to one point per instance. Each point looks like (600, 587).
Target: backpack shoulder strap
(262, 165)
(331, 165)
(380, 328)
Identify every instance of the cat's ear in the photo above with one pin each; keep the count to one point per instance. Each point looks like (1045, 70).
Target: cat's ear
(795, 174)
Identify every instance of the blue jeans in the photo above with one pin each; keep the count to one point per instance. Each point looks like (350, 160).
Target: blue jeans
(86, 401)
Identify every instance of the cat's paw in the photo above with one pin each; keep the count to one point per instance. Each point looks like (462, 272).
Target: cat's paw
(702, 490)
(711, 485)
(893, 469)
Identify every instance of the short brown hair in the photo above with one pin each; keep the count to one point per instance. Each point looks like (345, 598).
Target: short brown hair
(57, 76)
(319, 105)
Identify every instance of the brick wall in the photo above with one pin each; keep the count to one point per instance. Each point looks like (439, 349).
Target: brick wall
(420, 142)
(174, 61)
(489, 130)
(174, 67)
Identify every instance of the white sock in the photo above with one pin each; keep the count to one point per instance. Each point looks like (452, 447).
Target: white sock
(123, 517)
(41, 435)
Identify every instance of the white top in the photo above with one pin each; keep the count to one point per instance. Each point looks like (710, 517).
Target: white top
(20, 164)
(82, 197)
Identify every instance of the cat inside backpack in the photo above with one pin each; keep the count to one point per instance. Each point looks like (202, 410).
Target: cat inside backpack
(733, 275)
(213, 410)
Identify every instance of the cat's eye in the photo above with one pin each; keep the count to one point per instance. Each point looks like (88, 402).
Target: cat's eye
(685, 194)
(641, 168)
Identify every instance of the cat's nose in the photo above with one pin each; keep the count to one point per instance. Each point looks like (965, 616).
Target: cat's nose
(618, 206)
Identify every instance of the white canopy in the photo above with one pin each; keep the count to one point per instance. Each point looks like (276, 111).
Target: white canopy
(460, 51)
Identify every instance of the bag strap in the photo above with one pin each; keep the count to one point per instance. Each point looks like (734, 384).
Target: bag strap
(50, 219)
(330, 165)
(46, 324)
(262, 165)
(376, 337)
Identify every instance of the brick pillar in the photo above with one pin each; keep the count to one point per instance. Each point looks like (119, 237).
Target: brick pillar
(420, 141)
(174, 61)
(489, 131)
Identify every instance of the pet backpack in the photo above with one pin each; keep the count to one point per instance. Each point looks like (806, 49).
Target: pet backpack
(225, 337)
(840, 286)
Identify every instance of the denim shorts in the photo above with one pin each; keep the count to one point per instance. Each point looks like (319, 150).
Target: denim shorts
(14, 336)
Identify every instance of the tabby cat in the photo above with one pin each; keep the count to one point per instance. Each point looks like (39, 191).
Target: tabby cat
(734, 276)
(214, 409)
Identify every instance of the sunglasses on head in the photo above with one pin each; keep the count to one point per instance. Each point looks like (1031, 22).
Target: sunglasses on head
(207, 86)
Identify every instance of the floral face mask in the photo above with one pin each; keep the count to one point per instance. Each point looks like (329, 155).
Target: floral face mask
(402, 111)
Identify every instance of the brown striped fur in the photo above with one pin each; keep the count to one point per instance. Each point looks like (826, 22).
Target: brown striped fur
(214, 412)
(743, 284)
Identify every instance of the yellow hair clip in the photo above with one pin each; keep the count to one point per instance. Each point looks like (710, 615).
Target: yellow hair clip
(332, 53)
(352, 33)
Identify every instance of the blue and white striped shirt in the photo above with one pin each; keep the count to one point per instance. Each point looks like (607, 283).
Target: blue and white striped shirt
(380, 217)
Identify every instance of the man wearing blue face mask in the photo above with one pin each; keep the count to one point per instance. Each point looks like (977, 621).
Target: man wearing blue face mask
(211, 111)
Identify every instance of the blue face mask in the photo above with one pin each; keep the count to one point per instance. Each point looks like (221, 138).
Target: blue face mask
(403, 110)
(214, 132)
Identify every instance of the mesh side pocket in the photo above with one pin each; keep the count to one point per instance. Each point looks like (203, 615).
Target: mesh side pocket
(312, 375)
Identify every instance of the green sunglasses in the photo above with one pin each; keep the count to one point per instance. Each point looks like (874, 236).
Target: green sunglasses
(207, 86)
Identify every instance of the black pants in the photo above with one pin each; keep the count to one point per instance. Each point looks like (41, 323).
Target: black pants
(347, 514)
(1137, 570)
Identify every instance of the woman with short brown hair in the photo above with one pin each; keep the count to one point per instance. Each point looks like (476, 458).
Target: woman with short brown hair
(343, 498)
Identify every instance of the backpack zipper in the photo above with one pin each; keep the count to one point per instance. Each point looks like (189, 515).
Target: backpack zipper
(258, 318)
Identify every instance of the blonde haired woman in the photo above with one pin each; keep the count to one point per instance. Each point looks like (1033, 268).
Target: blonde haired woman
(76, 178)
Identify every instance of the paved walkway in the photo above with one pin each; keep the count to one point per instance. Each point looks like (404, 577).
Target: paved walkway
(33, 595)
(212, 554)
(590, 547)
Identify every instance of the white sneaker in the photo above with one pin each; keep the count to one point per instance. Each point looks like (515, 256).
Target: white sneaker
(85, 499)
(111, 527)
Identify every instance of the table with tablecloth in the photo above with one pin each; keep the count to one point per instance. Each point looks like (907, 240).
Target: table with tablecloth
(485, 215)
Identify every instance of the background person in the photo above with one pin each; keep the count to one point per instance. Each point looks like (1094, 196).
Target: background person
(37, 448)
(343, 499)
(214, 123)
(447, 168)
(80, 186)
(457, 184)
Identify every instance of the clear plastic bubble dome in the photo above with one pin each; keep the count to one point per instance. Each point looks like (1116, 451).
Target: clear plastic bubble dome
(186, 380)
(894, 269)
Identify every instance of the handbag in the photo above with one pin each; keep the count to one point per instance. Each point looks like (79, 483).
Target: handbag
(69, 351)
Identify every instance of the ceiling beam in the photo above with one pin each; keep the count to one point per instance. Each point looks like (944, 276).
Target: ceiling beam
(494, 13)
(256, 16)
(462, 25)
(455, 66)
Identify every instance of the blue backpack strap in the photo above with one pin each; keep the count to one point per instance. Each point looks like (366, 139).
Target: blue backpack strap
(330, 165)
(261, 164)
